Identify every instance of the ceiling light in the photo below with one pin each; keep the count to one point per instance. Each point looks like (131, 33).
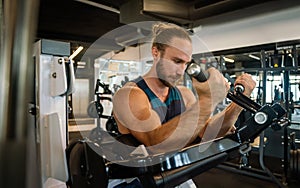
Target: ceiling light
(76, 52)
(254, 57)
(228, 60)
(82, 63)
(99, 6)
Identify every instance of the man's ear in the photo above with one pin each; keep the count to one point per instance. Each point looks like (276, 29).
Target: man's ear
(155, 52)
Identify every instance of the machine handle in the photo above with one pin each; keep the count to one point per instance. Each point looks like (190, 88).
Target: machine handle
(193, 69)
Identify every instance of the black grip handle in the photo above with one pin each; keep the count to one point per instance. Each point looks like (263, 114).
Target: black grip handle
(194, 70)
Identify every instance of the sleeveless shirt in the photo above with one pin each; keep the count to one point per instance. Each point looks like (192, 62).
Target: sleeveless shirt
(173, 106)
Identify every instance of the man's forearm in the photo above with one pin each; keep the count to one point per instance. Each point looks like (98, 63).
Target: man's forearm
(205, 109)
(219, 124)
(232, 112)
(183, 129)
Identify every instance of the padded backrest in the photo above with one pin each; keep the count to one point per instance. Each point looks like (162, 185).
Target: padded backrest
(86, 167)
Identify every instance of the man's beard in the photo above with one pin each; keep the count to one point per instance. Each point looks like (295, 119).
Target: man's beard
(162, 77)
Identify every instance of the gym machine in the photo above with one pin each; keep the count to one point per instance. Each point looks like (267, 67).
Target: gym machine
(171, 168)
(54, 74)
(278, 145)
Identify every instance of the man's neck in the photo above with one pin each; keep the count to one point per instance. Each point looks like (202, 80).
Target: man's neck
(157, 86)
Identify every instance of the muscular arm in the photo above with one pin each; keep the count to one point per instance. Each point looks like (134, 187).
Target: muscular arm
(223, 122)
(134, 114)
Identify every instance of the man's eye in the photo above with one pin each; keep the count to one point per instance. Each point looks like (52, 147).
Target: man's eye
(177, 61)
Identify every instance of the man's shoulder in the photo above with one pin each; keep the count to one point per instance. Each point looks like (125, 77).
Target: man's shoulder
(129, 86)
(130, 95)
(131, 89)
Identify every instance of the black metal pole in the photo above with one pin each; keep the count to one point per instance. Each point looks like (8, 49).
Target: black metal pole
(286, 89)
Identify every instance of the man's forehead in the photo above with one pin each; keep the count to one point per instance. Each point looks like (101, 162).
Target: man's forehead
(182, 45)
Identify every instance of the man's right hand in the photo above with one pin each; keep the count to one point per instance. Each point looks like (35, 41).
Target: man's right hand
(214, 89)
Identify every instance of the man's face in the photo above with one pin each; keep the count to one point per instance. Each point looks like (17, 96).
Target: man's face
(172, 64)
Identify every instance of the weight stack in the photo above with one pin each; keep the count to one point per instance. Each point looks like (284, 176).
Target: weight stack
(295, 164)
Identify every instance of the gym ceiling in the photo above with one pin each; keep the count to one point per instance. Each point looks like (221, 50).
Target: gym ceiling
(81, 22)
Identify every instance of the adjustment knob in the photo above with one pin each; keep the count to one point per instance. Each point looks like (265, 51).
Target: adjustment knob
(260, 118)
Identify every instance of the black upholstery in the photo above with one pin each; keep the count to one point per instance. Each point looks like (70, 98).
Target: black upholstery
(86, 167)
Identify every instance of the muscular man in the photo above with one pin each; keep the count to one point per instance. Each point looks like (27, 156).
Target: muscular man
(166, 117)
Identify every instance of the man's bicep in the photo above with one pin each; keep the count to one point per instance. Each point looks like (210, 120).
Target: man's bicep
(132, 109)
(187, 95)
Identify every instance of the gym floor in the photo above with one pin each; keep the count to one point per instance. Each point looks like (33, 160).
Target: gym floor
(220, 178)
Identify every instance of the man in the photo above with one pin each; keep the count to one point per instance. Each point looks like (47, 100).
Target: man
(166, 117)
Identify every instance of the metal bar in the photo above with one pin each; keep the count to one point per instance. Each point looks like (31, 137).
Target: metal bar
(260, 69)
(17, 91)
(252, 172)
(286, 91)
(286, 151)
(261, 137)
(7, 18)
(295, 56)
(261, 161)
(236, 100)
(247, 100)
(177, 176)
(22, 66)
(263, 61)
